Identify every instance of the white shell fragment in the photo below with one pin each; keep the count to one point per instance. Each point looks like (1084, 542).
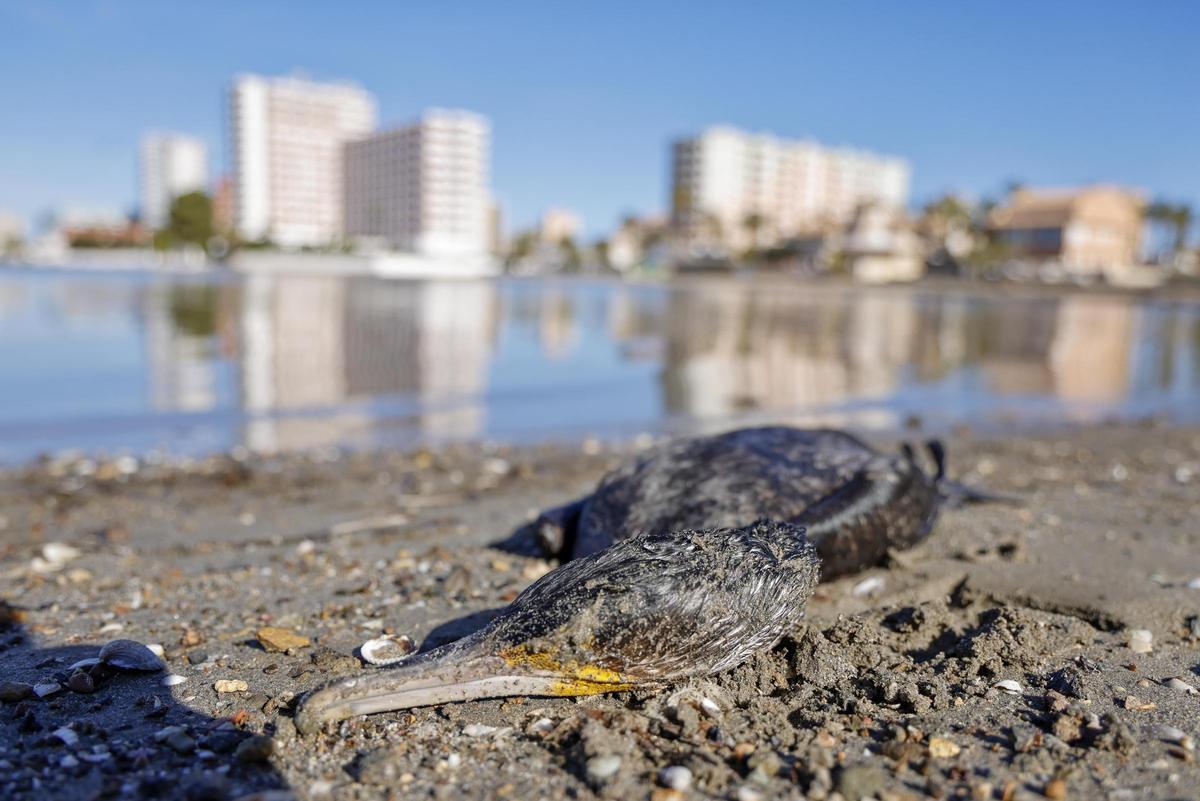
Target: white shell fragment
(868, 586)
(387, 650)
(130, 655)
(676, 777)
(483, 730)
(66, 735)
(1182, 686)
(60, 552)
(172, 679)
(1141, 641)
(1009, 686)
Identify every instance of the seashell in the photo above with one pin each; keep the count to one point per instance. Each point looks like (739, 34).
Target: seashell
(130, 655)
(1009, 686)
(171, 679)
(387, 650)
(83, 663)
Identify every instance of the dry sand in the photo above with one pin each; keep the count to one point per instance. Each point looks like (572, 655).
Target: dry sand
(889, 692)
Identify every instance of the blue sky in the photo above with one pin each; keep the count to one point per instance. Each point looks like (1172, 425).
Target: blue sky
(584, 97)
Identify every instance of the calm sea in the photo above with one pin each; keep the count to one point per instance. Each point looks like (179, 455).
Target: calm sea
(123, 362)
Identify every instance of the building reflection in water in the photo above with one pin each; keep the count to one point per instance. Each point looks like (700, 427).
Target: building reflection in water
(323, 358)
(313, 361)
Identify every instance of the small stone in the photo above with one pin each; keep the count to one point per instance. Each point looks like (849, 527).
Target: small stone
(1055, 789)
(173, 679)
(12, 692)
(230, 686)
(483, 730)
(860, 781)
(1169, 733)
(541, 727)
(197, 657)
(748, 793)
(941, 748)
(1181, 686)
(1008, 686)
(868, 586)
(66, 735)
(280, 640)
(177, 738)
(381, 767)
(677, 777)
(46, 689)
(666, 794)
(255, 749)
(81, 683)
(1141, 641)
(604, 767)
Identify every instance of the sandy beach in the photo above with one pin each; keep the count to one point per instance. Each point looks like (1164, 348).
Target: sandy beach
(1046, 650)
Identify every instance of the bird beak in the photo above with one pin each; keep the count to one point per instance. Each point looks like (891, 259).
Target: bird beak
(459, 671)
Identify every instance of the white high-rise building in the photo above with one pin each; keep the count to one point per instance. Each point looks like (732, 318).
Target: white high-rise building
(423, 188)
(171, 165)
(744, 189)
(287, 137)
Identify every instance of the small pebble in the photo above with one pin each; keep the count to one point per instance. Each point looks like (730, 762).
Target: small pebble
(1055, 789)
(47, 689)
(197, 657)
(81, 683)
(172, 679)
(483, 730)
(230, 686)
(13, 691)
(279, 640)
(66, 735)
(1169, 733)
(1182, 686)
(602, 768)
(1141, 641)
(941, 748)
(255, 749)
(748, 793)
(868, 586)
(677, 777)
(541, 726)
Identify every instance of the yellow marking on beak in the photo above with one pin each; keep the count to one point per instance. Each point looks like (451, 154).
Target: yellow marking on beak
(577, 679)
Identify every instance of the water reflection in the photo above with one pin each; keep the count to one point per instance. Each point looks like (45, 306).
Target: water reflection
(112, 362)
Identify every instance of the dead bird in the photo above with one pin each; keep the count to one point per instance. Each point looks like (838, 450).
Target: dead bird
(651, 609)
(856, 502)
(688, 560)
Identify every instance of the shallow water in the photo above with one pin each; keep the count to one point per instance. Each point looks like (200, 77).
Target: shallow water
(124, 362)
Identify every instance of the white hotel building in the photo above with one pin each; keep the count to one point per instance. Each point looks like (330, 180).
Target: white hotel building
(287, 141)
(743, 189)
(423, 188)
(170, 165)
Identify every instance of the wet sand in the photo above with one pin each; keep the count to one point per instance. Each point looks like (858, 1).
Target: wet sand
(890, 691)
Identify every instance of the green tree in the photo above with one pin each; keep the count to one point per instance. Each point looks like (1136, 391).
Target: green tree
(190, 222)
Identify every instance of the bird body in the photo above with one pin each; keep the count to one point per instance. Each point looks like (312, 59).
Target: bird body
(688, 560)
